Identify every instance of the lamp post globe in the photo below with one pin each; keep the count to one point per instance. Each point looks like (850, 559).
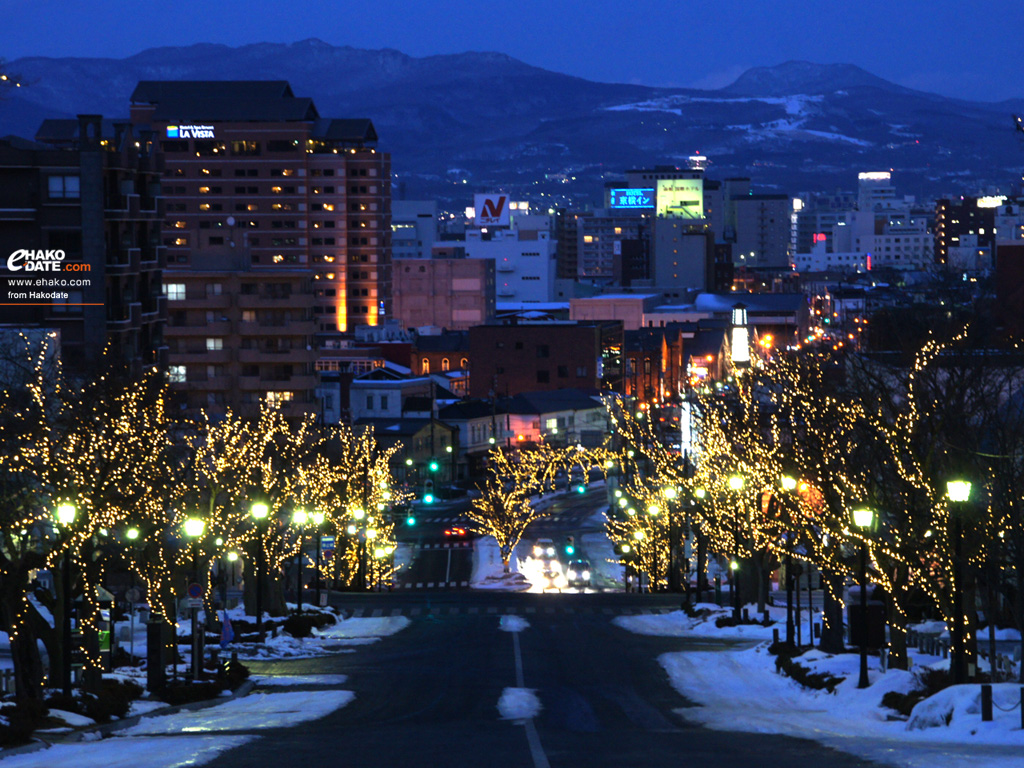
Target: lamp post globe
(863, 518)
(65, 514)
(259, 511)
(958, 493)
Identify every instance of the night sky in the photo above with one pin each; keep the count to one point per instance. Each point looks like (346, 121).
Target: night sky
(970, 50)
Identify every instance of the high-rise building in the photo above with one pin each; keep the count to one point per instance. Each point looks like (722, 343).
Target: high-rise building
(88, 193)
(251, 168)
(413, 228)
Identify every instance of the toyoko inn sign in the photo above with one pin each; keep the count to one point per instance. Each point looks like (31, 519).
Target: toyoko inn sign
(190, 132)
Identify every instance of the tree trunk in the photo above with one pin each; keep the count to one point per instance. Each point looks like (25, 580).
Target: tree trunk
(897, 618)
(28, 664)
(832, 613)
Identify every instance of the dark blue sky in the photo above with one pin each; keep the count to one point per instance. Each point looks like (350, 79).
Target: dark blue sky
(971, 50)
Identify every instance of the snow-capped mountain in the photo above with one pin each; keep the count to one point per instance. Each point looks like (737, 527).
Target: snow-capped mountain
(490, 120)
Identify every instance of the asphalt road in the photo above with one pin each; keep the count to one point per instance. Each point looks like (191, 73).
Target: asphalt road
(428, 695)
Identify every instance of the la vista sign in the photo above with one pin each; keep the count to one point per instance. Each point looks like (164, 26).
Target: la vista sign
(190, 132)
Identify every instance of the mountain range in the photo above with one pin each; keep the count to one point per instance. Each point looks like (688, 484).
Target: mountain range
(475, 121)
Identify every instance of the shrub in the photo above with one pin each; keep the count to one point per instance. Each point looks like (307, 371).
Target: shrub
(729, 621)
(22, 719)
(113, 699)
(192, 692)
(816, 680)
(927, 682)
(301, 625)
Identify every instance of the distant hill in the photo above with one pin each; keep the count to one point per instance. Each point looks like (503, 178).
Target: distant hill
(491, 121)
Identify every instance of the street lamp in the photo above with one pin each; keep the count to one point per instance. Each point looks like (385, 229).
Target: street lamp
(863, 518)
(736, 484)
(194, 528)
(958, 492)
(299, 519)
(318, 520)
(66, 516)
(358, 515)
(789, 485)
(259, 512)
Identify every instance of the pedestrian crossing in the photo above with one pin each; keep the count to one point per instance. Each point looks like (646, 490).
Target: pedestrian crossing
(465, 520)
(446, 545)
(476, 610)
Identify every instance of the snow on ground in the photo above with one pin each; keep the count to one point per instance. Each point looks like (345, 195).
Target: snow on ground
(171, 752)
(518, 704)
(255, 711)
(346, 632)
(511, 623)
(739, 690)
(679, 624)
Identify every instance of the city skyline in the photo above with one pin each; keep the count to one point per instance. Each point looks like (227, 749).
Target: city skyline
(650, 42)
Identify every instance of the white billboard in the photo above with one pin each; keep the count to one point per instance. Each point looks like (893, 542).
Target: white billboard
(492, 210)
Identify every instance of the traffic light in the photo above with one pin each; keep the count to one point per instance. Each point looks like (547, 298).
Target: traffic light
(570, 545)
(410, 519)
(581, 488)
(428, 498)
(434, 466)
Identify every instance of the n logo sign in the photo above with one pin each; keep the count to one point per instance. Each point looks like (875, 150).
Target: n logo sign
(491, 210)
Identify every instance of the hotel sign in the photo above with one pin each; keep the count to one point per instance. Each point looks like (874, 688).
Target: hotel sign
(631, 198)
(190, 132)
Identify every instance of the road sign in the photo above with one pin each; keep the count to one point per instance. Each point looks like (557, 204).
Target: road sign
(133, 595)
(195, 590)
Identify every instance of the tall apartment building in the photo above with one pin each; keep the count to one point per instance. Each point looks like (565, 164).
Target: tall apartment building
(250, 168)
(238, 335)
(448, 293)
(964, 216)
(90, 189)
(762, 231)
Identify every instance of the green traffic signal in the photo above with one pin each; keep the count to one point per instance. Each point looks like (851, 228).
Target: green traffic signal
(410, 520)
(581, 489)
(428, 498)
(570, 549)
(434, 466)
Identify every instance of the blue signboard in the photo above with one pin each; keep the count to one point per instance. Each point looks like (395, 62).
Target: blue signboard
(631, 198)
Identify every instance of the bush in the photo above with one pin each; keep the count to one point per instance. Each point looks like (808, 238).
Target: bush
(113, 699)
(21, 720)
(192, 692)
(729, 621)
(927, 682)
(815, 680)
(301, 625)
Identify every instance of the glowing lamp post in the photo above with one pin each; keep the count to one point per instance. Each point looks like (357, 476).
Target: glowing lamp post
(66, 516)
(736, 483)
(299, 518)
(958, 492)
(194, 528)
(259, 512)
(863, 518)
(318, 520)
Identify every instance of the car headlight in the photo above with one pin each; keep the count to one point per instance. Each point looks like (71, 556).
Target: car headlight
(586, 574)
(571, 574)
(551, 551)
(537, 551)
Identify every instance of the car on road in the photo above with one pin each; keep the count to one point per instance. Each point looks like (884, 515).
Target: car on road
(577, 573)
(544, 549)
(455, 533)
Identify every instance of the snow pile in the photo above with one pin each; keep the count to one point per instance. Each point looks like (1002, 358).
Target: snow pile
(258, 710)
(512, 623)
(519, 704)
(330, 639)
(167, 752)
(680, 624)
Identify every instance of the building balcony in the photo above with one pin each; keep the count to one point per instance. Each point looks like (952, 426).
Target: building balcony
(198, 301)
(259, 301)
(256, 356)
(198, 330)
(200, 356)
(210, 384)
(297, 328)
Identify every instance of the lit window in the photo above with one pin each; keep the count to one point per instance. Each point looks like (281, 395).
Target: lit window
(176, 374)
(445, 365)
(425, 365)
(204, 190)
(214, 344)
(175, 291)
(276, 398)
(181, 241)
